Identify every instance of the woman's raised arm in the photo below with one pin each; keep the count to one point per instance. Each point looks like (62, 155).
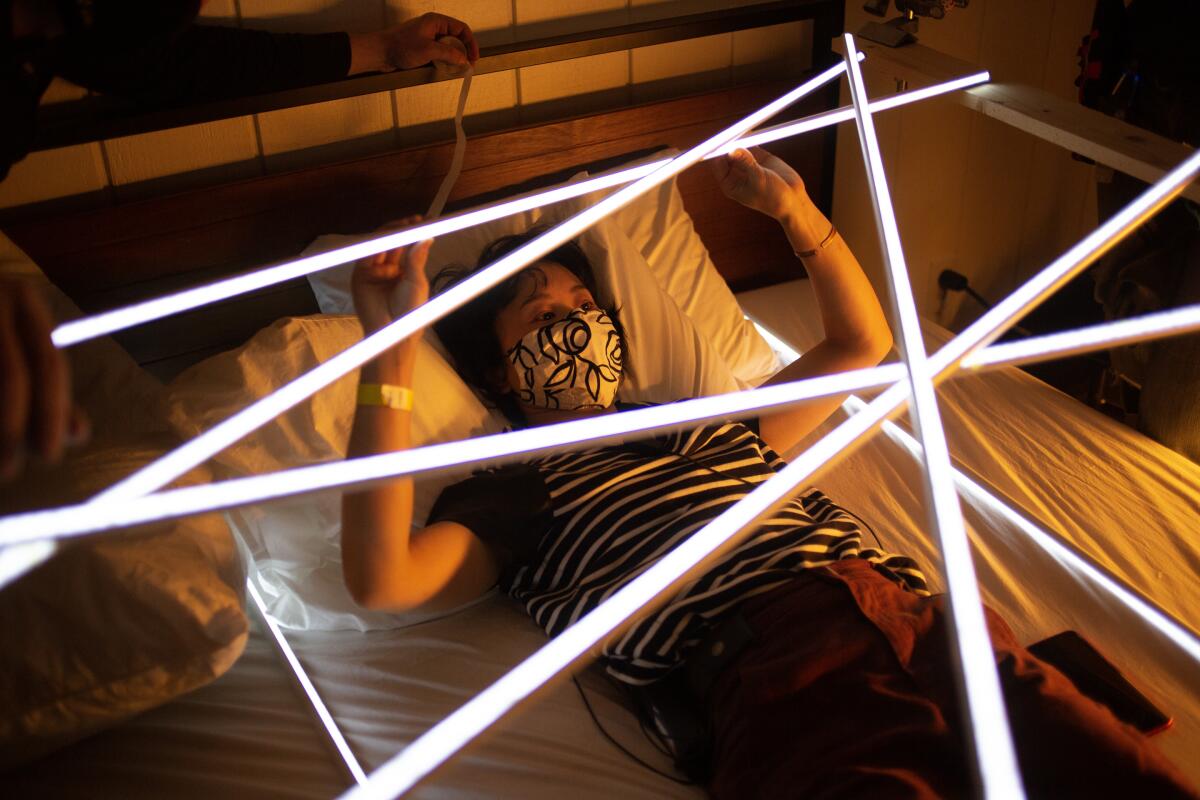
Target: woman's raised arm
(856, 331)
(385, 562)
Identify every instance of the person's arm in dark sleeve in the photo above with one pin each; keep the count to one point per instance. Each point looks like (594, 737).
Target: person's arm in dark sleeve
(205, 62)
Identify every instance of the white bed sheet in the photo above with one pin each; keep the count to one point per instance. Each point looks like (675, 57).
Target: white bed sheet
(1114, 493)
(245, 736)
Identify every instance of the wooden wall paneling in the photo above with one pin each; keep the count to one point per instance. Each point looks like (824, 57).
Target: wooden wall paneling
(121, 254)
(852, 210)
(1061, 187)
(997, 170)
(240, 225)
(929, 177)
(1016, 200)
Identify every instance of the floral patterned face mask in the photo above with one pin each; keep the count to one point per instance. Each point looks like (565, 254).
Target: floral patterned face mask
(571, 364)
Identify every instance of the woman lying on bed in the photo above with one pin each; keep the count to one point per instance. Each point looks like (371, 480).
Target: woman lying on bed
(822, 662)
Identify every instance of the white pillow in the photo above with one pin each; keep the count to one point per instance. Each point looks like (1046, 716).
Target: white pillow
(295, 544)
(668, 358)
(660, 227)
(116, 624)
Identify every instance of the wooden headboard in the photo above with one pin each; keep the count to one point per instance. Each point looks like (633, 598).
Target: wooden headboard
(117, 255)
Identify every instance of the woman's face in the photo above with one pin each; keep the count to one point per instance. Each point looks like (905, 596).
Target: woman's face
(548, 292)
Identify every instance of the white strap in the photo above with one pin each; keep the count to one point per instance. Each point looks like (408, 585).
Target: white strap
(460, 149)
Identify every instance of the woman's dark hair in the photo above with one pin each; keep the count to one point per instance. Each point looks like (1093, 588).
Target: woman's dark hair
(469, 333)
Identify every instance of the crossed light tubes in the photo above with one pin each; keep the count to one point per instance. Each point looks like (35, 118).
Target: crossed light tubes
(914, 379)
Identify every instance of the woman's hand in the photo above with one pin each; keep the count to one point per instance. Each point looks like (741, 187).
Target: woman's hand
(397, 275)
(761, 181)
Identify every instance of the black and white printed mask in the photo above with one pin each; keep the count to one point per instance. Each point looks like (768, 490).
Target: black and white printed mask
(571, 364)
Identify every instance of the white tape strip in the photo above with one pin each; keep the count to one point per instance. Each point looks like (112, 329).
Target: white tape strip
(460, 150)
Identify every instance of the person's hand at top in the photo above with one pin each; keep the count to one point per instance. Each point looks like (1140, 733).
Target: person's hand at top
(394, 275)
(413, 43)
(761, 181)
(36, 412)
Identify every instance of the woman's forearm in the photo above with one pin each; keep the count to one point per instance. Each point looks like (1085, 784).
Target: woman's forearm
(376, 522)
(850, 310)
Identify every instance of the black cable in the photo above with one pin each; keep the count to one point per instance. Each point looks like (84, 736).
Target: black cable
(620, 746)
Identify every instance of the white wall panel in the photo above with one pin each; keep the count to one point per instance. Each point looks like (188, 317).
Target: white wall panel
(529, 11)
(481, 15)
(51, 174)
(676, 59)
(154, 155)
(973, 194)
(438, 101)
(676, 64)
(578, 76)
(345, 122)
(783, 50)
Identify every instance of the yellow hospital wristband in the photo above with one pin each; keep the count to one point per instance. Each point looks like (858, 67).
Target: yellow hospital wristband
(385, 394)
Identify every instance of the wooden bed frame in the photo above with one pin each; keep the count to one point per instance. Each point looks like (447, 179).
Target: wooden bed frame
(113, 256)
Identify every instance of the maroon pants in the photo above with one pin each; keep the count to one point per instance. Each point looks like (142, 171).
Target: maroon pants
(848, 691)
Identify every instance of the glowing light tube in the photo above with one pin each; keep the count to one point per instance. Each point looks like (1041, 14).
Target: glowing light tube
(456, 732)
(16, 560)
(846, 113)
(196, 451)
(107, 322)
(979, 683)
(70, 521)
(1142, 328)
(433, 748)
(946, 359)
(975, 493)
(89, 517)
(334, 733)
(1069, 557)
(1004, 314)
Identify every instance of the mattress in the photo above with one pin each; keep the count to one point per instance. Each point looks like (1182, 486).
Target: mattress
(1118, 496)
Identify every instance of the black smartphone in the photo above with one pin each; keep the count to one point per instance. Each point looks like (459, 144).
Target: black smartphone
(1098, 679)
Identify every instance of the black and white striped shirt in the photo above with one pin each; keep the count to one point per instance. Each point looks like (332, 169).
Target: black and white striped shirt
(577, 526)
